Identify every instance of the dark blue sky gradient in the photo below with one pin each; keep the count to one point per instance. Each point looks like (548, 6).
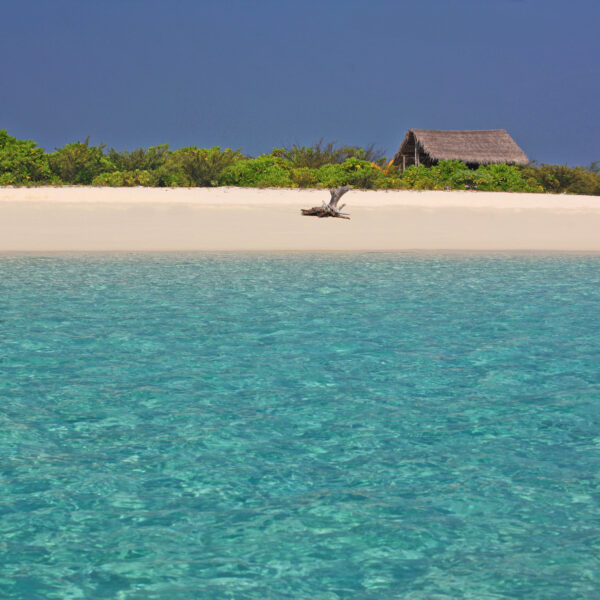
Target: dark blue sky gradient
(259, 74)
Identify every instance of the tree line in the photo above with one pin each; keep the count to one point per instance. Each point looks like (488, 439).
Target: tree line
(322, 165)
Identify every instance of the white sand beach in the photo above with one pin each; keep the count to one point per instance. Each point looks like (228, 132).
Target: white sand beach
(67, 219)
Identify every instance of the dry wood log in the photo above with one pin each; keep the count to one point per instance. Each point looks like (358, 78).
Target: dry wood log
(331, 209)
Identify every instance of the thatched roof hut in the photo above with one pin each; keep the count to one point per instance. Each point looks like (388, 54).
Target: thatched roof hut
(483, 147)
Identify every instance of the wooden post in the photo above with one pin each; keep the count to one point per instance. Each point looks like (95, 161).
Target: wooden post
(403, 163)
(416, 154)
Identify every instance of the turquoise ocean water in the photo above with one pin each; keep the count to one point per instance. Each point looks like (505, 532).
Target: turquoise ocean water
(287, 427)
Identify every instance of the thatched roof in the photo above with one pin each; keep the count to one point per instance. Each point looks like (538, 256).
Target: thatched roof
(470, 146)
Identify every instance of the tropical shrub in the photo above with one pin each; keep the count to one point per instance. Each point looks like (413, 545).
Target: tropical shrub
(304, 177)
(456, 175)
(138, 177)
(447, 174)
(353, 171)
(114, 179)
(142, 159)
(22, 162)
(562, 179)
(390, 181)
(420, 178)
(322, 165)
(263, 171)
(501, 177)
(167, 176)
(202, 167)
(79, 163)
(320, 153)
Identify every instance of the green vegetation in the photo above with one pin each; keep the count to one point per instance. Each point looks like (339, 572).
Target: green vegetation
(560, 179)
(200, 167)
(141, 159)
(263, 171)
(79, 163)
(22, 162)
(322, 165)
(319, 154)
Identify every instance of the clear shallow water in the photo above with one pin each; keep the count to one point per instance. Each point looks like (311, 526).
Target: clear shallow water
(252, 427)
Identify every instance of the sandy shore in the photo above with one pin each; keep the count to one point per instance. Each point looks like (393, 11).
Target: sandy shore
(234, 219)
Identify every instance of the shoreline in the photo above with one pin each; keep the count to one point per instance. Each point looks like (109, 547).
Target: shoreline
(93, 219)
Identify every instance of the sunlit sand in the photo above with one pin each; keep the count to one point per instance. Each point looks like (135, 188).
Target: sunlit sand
(241, 219)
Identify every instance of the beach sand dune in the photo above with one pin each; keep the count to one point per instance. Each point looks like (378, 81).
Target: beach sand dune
(237, 219)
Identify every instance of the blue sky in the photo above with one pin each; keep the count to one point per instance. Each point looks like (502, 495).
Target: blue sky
(259, 74)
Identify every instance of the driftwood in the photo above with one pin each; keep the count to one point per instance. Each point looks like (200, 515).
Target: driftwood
(331, 209)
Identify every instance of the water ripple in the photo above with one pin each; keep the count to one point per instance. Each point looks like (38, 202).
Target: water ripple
(324, 427)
